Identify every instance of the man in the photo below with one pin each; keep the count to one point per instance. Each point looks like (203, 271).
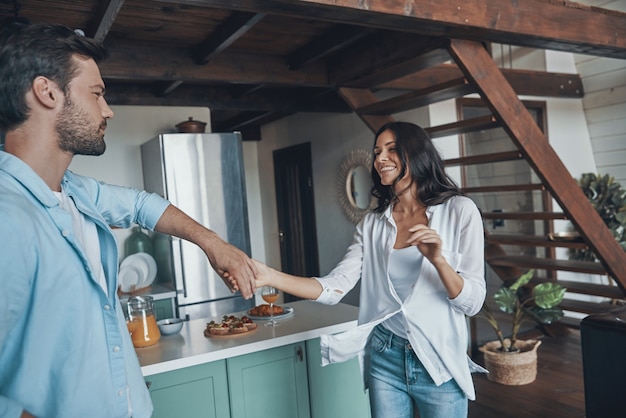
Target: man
(64, 347)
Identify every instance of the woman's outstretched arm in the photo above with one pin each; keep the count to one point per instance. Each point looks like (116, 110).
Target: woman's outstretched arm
(303, 287)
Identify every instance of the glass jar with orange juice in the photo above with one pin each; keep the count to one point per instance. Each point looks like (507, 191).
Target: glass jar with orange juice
(142, 324)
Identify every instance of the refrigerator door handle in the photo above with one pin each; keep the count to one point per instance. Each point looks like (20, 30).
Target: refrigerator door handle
(179, 266)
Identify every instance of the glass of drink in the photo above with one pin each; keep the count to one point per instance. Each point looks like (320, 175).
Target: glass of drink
(270, 295)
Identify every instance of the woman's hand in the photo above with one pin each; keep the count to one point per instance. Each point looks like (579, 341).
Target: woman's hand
(264, 274)
(303, 287)
(427, 241)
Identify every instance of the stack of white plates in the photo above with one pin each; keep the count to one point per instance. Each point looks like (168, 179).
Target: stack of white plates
(136, 272)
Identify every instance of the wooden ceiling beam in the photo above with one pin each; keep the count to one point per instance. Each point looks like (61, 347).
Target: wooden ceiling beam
(140, 62)
(161, 89)
(248, 120)
(105, 16)
(223, 98)
(382, 57)
(500, 97)
(524, 82)
(464, 126)
(325, 45)
(449, 90)
(391, 72)
(133, 61)
(235, 26)
(530, 23)
(357, 98)
(250, 132)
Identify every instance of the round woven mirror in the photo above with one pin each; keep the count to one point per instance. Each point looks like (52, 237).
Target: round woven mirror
(355, 184)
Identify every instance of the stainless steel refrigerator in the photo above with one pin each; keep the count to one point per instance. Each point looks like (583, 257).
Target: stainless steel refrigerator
(203, 175)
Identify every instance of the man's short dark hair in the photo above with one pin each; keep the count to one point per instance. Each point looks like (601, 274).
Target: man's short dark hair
(28, 51)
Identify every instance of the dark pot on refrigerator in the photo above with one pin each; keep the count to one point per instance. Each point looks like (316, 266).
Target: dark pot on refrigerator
(191, 126)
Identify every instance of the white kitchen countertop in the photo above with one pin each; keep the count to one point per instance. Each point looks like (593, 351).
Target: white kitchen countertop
(190, 347)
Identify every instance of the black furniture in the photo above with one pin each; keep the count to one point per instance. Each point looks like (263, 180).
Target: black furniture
(603, 340)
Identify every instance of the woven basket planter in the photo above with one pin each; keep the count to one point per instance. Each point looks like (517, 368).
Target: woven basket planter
(519, 368)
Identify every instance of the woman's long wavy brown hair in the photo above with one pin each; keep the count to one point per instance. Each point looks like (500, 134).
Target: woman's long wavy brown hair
(417, 152)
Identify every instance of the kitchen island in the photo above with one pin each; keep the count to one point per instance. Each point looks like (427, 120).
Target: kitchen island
(270, 371)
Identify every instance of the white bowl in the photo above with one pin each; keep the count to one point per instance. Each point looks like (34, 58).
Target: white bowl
(170, 325)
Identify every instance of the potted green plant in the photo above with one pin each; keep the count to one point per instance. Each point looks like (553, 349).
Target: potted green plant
(608, 198)
(509, 360)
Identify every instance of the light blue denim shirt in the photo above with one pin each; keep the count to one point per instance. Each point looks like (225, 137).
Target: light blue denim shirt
(64, 347)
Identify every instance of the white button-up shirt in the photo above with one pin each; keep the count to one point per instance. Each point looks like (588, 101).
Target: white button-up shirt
(437, 325)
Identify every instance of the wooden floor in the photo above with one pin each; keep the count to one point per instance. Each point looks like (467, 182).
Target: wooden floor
(558, 391)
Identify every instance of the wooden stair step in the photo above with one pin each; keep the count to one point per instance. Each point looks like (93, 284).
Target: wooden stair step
(464, 126)
(495, 157)
(524, 215)
(532, 241)
(504, 188)
(547, 264)
(593, 289)
(582, 306)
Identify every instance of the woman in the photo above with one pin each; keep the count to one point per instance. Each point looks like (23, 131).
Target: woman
(419, 256)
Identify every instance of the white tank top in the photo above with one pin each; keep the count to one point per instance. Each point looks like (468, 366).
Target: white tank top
(87, 237)
(404, 269)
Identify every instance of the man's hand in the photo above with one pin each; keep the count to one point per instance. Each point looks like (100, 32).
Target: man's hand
(234, 266)
(223, 256)
(263, 276)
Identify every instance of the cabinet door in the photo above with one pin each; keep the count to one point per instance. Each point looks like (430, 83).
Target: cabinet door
(199, 391)
(270, 383)
(336, 390)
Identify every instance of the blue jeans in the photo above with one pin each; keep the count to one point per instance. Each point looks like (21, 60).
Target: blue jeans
(398, 382)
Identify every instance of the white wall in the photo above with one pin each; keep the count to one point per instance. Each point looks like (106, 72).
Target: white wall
(448, 146)
(604, 82)
(567, 131)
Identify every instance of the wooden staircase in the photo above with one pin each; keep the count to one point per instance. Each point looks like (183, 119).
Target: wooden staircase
(474, 71)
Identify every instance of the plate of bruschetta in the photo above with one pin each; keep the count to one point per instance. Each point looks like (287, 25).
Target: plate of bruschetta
(229, 326)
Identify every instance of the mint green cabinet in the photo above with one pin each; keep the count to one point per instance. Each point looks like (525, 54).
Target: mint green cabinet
(270, 383)
(198, 391)
(282, 382)
(336, 390)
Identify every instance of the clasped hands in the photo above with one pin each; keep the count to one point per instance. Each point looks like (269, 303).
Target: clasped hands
(262, 275)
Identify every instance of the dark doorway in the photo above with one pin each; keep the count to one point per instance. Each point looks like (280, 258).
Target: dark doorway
(296, 212)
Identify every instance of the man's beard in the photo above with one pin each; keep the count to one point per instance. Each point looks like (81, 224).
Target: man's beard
(77, 134)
